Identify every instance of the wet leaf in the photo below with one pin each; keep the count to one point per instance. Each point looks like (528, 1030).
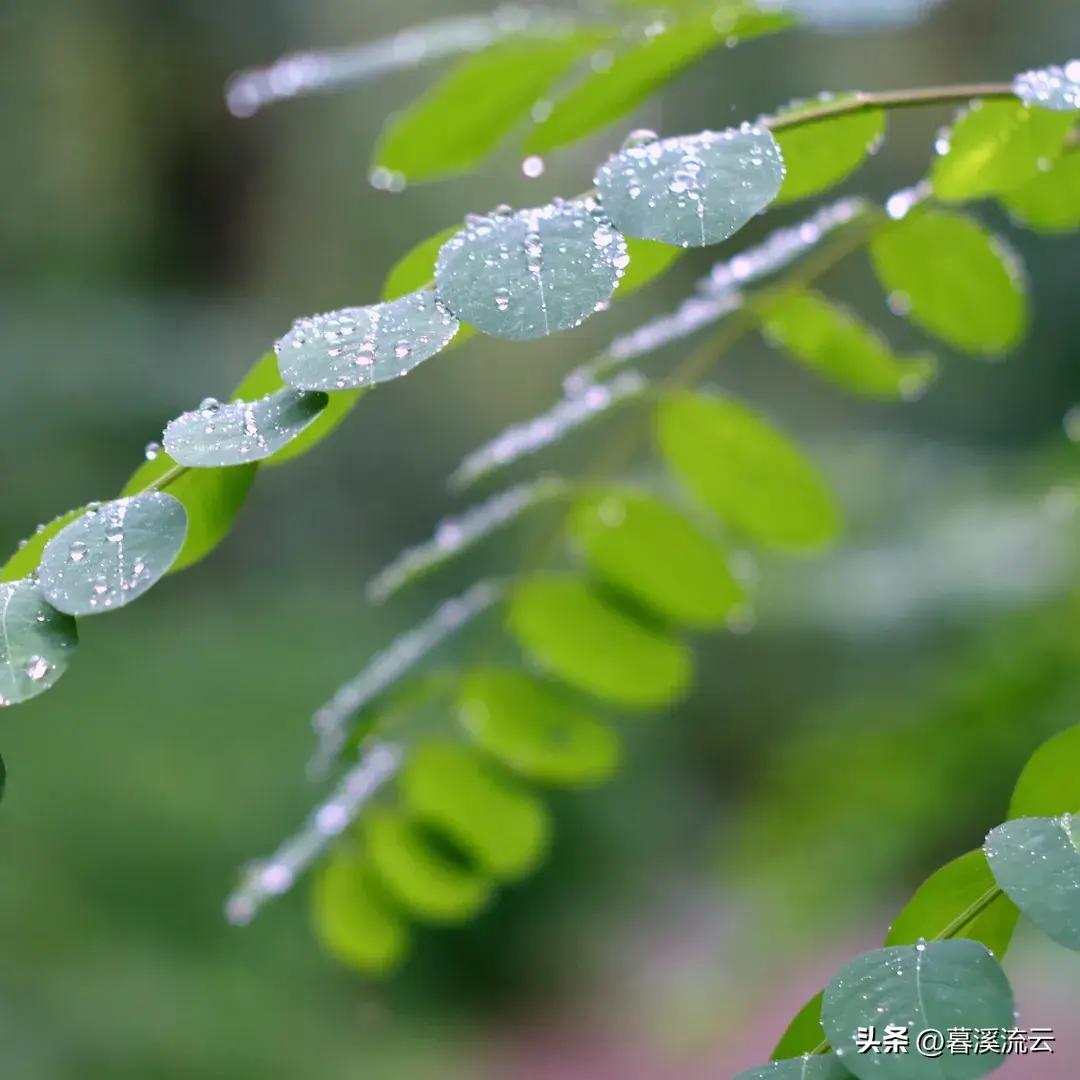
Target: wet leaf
(36, 644)
(996, 146)
(831, 340)
(819, 1067)
(111, 556)
(1054, 87)
(746, 471)
(535, 730)
(528, 274)
(694, 190)
(216, 435)
(568, 630)
(1036, 861)
(1050, 203)
(954, 279)
(448, 787)
(655, 553)
(359, 347)
(1050, 783)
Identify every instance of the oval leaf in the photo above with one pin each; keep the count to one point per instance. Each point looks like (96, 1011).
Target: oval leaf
(933, 987)
(831, 340)
(954, 279)
(819, 155)
(215, 435)
(1051, 202)
(528, 274)
(352, 918)
(746, 471)
(996, 146)
(447, 787)
(653, 552)
(818, 1067)
(36, 643)
(692, 190)
(1053, 87)
(535, 731)
(1036, 861)
(358, 347)
(416, 876)
(953, 902)
(1050, 783)
(571, 632)
(111, 556)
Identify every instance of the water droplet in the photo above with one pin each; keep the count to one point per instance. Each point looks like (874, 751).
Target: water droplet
(502, 299)
(209, 405)
(77, 551)
(899, 302)
(37, 667)
(533, 166)
(152, 450)
(101, 586)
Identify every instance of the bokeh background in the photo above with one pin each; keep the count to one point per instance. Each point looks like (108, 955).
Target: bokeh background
(867, 729)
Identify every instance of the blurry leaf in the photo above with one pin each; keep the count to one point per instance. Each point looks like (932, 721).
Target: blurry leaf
(447, 787)
(534, 730)
(359, 347)
(745, 471)
(636, 74)
(831, 340)
(940, 985)
(216, 435)
(264, 379)
(212, 498)
(954, 279)
(692, 190)
(805, 1033)
(1053, 87)
(949, 894)
(1050, 782)
(821, 1067)
(36, 643)
(996, 146)
(1050, 203)
(109, 557)
(353, 920)
(461, 120)
(821, 154)
(3, 778)
(429, 886)
(648, 260)
(565, 627)
(416, 268)
(528, 274)
(25, 561)
(650, 550)
(1036, 861)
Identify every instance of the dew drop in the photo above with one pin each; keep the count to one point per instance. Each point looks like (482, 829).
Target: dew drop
(533, 166)
(37, 667)
(77, 551)
(152, 450)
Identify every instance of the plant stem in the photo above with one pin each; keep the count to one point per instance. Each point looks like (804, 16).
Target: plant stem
(166, 478)
(889, 99)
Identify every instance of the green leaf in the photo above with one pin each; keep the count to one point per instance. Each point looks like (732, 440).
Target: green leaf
(1036, 861)
(1050, 783)
(565, 627)
(996, 146)
(466, 116)
(832, 341)
(957, 889)
(109, 557)
(648, 260)
(216, 435)
(359, 347)
(25, 561)
(653, 552)
(3, 778)
(415, 875)
(820, 1067)
(352, 918)
(638, 73)
(264, 379)
(36, 643)
(534, 730)
(954, 279)
(692, 190)
(805, 1033)
(212, 498)
(1051, 202)
(819, 155)
(746, 471)
(416, 268)
(528, 274)
(937, 986)
(448, 787)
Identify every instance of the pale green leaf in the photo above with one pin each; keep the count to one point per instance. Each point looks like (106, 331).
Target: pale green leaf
(36, 644)
(1050, 782)
(534, 730)
(693, 190)
(746, 471)
(112, 555)
(1051, 202)
(570, 631)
